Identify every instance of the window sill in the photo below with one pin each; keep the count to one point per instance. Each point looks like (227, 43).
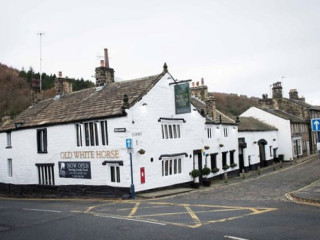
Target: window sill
(8, 147)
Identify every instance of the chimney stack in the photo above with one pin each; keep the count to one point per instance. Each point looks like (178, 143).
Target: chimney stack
(211, 108)
(293, 94)
(36, 93)
(63, 85)
(104, 74)
(277, 90)
(200, 92)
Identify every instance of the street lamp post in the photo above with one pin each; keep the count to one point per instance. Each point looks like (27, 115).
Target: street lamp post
(132, 184)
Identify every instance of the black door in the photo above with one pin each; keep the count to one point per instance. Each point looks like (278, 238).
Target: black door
(199, 156)
(241, 160)
(262, 151)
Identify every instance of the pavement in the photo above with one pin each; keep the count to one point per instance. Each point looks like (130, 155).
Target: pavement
(310, 194)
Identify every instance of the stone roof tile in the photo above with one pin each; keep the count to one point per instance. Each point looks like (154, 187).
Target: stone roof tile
(84, 105)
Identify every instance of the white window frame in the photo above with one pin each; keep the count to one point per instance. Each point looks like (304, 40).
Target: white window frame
(170, 131)
(9, 140)
(171, 166)
(115, 175)
(91, 133)
(104, 132)
(225, 132)
(79, 134)
(46, 173)
(10, 170)
(42, 140)
(209, 132)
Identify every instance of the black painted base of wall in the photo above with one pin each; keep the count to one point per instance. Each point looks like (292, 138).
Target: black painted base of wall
(65, 191)
(180, 185)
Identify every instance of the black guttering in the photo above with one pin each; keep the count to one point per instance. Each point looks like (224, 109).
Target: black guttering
(172, 119)
(172, 155)
(182, 81)
(113, 162)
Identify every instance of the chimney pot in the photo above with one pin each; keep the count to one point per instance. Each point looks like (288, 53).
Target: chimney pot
(60, 74)
(197, 83)
(202, 81)
(106, 58)
(192, 84)
(101, 63)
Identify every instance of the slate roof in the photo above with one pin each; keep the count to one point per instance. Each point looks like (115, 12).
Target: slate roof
(284, 115)
(304, 104)
(199, 105)
(84, 105)
(252, 124)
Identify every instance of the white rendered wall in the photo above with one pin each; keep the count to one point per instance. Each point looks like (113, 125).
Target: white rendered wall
(283, 126)
(252, 150)
(142, 126)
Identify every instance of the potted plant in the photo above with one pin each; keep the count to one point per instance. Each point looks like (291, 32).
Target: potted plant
(141, 151)
(225, 167)
(205, 172)
(215, 170)
(195, 173)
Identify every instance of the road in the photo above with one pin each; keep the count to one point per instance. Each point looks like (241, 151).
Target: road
(255, 208)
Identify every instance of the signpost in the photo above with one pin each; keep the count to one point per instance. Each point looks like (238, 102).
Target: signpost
(315, 124)
(129, 147)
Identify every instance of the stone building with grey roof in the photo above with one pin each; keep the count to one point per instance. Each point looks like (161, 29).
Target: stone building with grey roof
(294, 106)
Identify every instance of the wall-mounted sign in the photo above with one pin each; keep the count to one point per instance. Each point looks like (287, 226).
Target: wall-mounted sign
(135, 134)
(129, 143)
(120, 130)
(75, 170)
(109, 154)
(182, 98)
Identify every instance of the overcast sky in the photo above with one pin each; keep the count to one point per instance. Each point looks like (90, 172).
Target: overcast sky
(237, 46)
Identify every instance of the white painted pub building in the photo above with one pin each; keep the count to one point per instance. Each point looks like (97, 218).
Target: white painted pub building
(76, 142)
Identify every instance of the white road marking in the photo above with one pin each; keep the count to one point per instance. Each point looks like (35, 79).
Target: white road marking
(131, 219)
(41, 210)
(235, 238)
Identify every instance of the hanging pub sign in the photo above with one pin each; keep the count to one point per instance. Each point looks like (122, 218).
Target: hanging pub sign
(182, 98)
(75, 170)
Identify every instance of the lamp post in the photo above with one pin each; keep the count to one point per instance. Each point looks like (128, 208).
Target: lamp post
(129, 148)
(132, 184)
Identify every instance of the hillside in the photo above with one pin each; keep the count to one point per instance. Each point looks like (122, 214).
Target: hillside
(15, 89)
(232, 104)
(14, 92)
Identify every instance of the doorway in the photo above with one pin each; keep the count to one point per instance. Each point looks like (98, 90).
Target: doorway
(262, 152)
(197, 159)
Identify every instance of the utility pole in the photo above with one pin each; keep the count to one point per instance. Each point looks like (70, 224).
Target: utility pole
(40, 35)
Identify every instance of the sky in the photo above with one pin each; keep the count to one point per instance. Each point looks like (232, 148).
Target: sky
(237, 46)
